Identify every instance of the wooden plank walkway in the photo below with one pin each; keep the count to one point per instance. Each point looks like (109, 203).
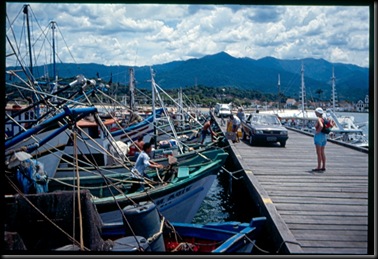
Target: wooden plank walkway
(314, 212)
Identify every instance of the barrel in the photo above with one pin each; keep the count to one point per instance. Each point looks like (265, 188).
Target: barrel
(144, 221)
(130, 244)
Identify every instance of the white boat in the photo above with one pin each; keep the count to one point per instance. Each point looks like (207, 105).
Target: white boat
(346, 130)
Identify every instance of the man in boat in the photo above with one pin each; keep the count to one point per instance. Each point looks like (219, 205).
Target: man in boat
(135, 118)
(139, 143)
(206, 129)
(143, 161)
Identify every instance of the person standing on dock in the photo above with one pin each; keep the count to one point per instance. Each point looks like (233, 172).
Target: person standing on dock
(241, 114)
(235, 126)
(320, 140)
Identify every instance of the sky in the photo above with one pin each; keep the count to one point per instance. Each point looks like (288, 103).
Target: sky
(150, 34)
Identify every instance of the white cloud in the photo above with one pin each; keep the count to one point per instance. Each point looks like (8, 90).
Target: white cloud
(338, 54)
(147, 34)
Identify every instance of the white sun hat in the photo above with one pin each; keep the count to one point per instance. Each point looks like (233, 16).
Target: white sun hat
(17, 158)
(319, 110)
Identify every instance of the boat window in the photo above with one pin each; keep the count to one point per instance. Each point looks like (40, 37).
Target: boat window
(93, 132)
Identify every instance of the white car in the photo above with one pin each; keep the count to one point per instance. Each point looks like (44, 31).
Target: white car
(222, 110)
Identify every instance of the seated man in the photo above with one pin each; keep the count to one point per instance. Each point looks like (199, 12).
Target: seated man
(143, 161)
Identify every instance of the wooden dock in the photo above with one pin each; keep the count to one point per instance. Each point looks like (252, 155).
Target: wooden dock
(310, 212)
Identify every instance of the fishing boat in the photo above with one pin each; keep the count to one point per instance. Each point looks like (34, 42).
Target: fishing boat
(224, 237)
(172, 189)
(157, 234)
(46, 140)
(157, 128)
(55, 223)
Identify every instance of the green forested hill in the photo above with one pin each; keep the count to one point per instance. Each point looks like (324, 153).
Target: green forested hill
(242, 74)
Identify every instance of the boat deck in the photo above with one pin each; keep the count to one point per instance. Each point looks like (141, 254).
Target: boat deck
(311, 212)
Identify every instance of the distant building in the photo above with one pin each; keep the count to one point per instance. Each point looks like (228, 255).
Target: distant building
(360, 106)
(367, 103)
(290, 102)
(255, 103)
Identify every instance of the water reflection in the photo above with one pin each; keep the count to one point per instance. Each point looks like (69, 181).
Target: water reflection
(226, 201)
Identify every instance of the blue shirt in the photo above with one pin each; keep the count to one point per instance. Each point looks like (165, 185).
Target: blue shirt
(142, 163)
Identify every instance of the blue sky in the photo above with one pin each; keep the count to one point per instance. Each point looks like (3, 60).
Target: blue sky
(148, 34)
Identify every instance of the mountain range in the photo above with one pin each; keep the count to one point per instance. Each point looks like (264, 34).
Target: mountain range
(222, 69)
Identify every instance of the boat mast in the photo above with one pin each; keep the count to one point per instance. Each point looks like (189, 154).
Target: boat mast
(53, 27)
(153, 105)
(181, 111)
(278, 95)
(132, 88)
(35, 97)
(26, 12)
(54, 85)
(303, 91)
(333, 89)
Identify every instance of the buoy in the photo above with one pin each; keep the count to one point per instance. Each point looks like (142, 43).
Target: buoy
(144, 221)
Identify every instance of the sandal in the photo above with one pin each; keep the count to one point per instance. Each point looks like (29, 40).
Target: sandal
(316, 169)
(322, 169)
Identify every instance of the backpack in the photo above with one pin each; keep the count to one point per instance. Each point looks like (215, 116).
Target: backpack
(327, 126)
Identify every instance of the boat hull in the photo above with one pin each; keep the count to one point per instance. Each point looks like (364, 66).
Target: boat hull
(177, 202)
(48, 154)
(178, 198)
(122, 169)
(224, 237)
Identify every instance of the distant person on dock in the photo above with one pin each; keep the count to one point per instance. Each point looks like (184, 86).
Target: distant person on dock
(222, 120)
(206, 129)
(235, 126)
(320, 140)
(241, 114)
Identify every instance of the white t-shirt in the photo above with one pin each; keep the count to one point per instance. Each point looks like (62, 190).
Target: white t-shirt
(236, 121)
(142, 162)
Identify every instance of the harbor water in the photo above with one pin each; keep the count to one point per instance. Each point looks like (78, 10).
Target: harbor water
(228, 200)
